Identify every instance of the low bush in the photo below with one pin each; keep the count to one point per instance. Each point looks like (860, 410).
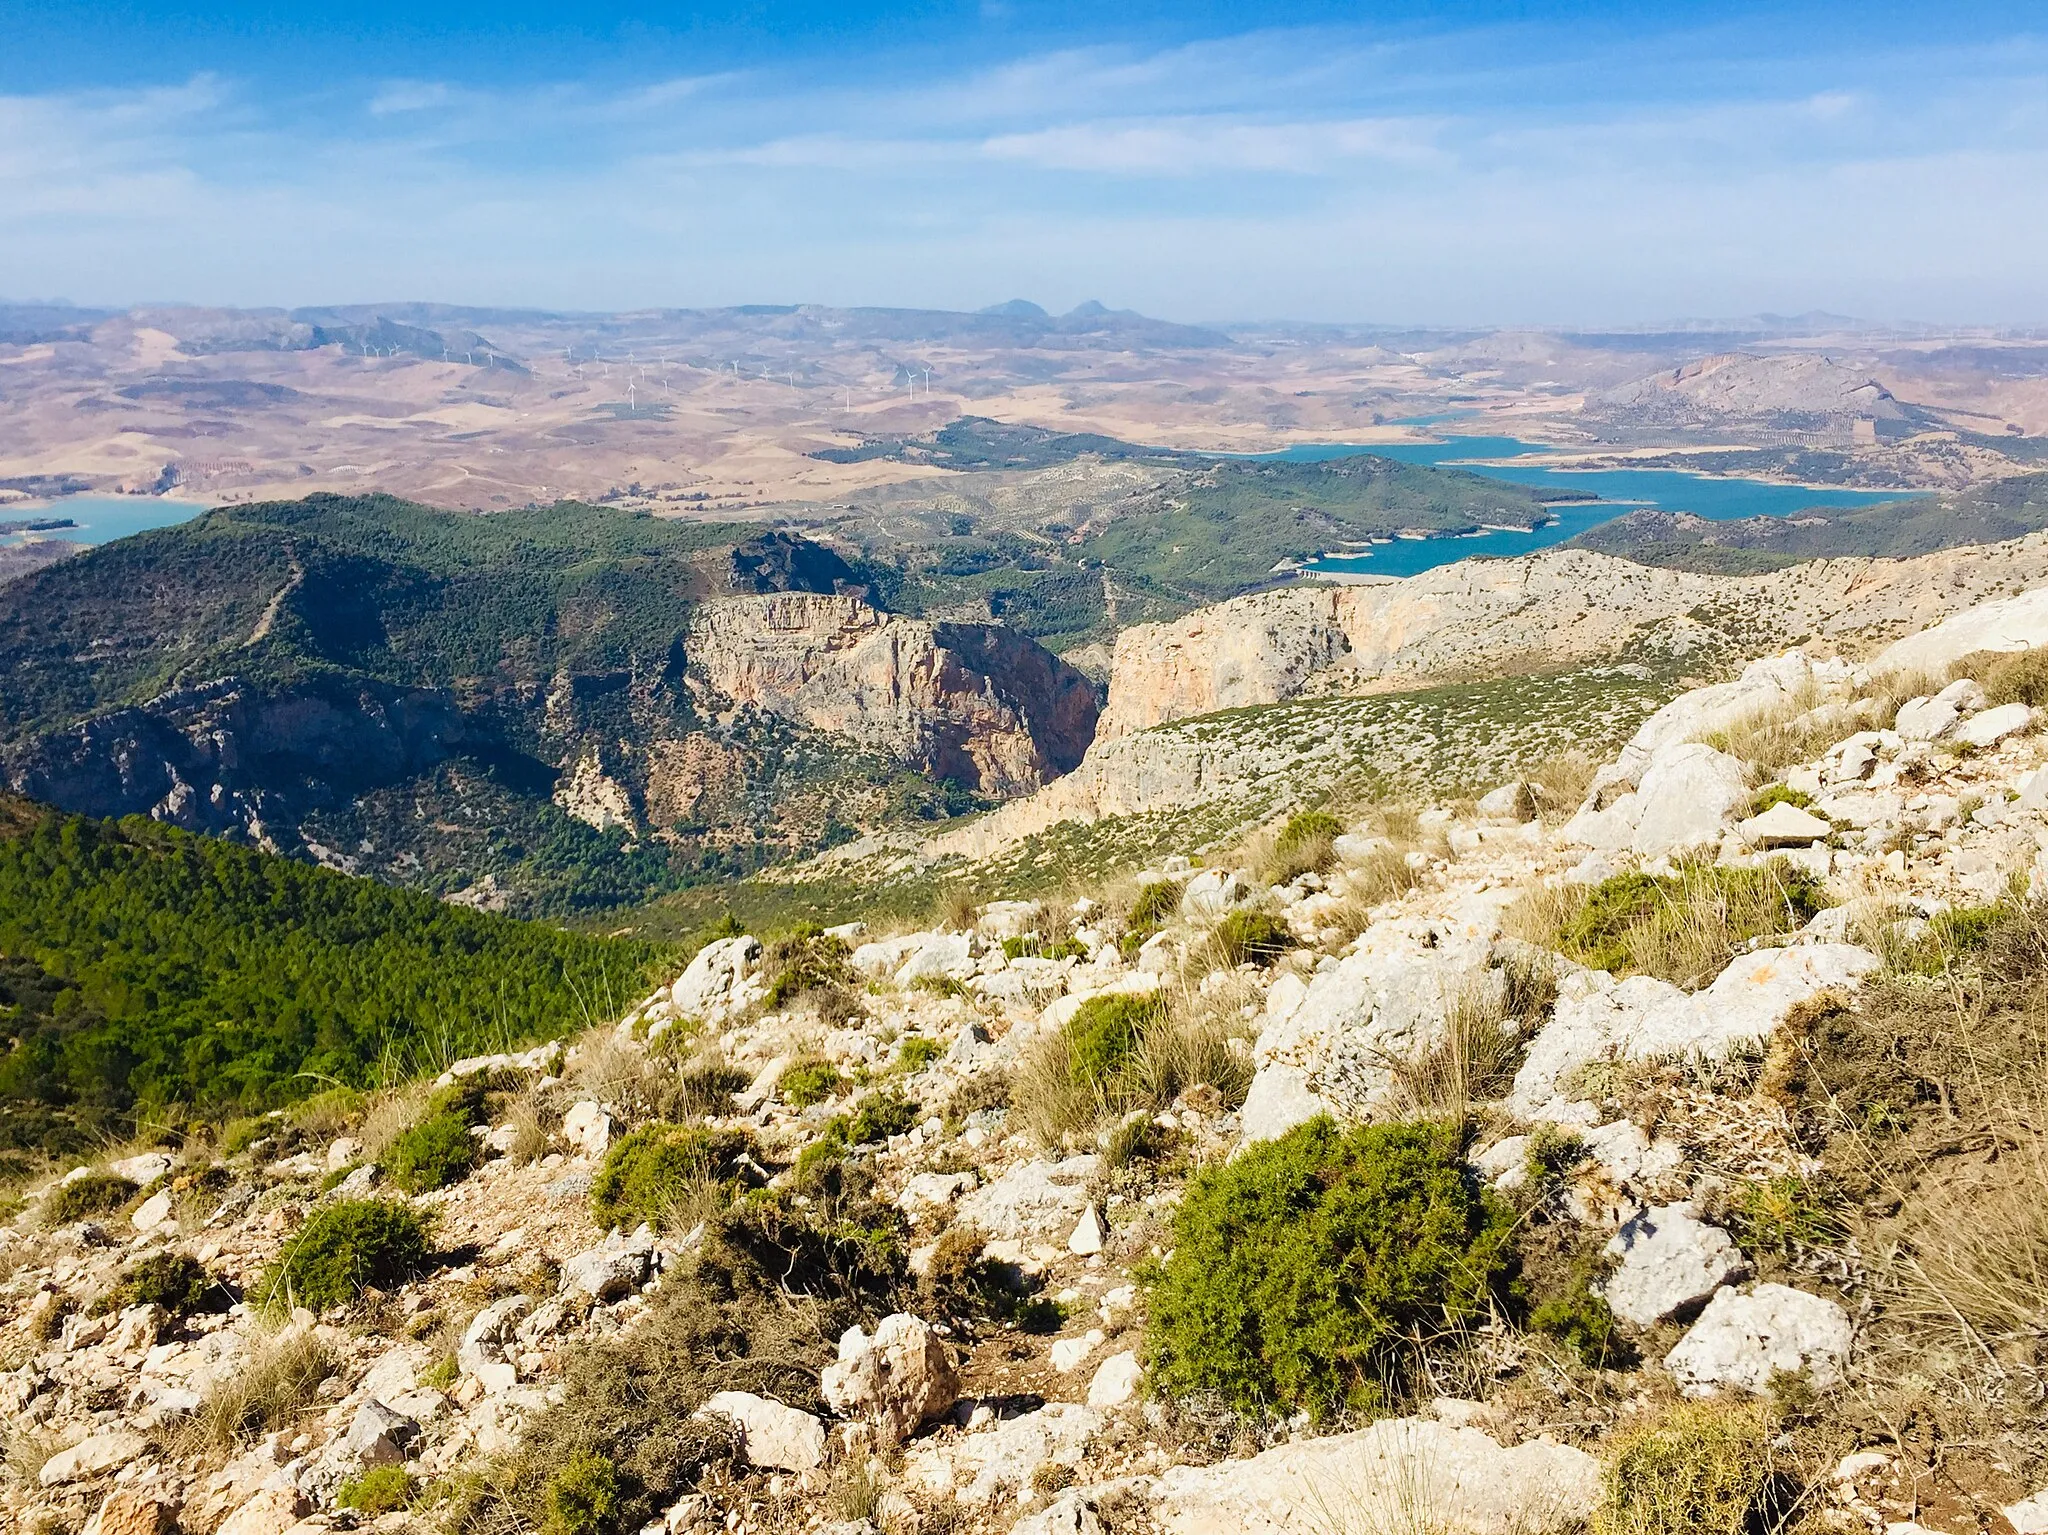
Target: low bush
(344, 1248)
(810, 1082)
(434, 1153)
(756, 1309)
(1695, 1468)
(1303, 846)
(1250, 935)
(803, 961)
(378, 1490)
(1307, 1271)
(1151, 908)
(1036, 946)
(917, 1052)
(1687, 926)
(1121, 1052)
(1569, 1311)
(177, 1282)
(852, 1247)
(2018, 678)
(703, 1087)
(879, 1116)
(662, 1173)
(83, 1198)
(1779, 794)
(582, 1497)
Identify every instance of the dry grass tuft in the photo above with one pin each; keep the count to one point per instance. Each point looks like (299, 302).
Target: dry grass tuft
(274, 1384)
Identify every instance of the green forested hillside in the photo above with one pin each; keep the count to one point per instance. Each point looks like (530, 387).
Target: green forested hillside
(142, 967)
(1984, 514)
(1222, 530)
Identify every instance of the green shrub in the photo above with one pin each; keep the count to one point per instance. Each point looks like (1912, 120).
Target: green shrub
(1553, 1151)
(1306, 1270)
(379, 1490)
(659, 1166)
(582, 1497)
(879, 1116)
(177, 1282)
(1783, 1215)
(1779, 794)
(238, 1135)
(1580, 1319)
(344, 1248)
(1257, 936)
(1156, 902)
(810, 1082)
(1033, 946)
(851, 1248)
(1103, 1035)
(1686, 927)
(918, 1052)
(1697, 1468)
(82, 1198)
(802, 961)
(434, 1153)
(1304, 845)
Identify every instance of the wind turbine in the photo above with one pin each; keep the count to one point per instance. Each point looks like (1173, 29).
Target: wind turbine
(631, 406)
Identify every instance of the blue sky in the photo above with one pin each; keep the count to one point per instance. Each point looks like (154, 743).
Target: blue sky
(1454, 163)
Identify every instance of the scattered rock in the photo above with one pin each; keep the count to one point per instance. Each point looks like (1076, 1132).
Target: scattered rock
(1686, 799)
(271, 1512)
(127, 1512)
(714, 975)
(894, 1379)
(1783, 825)
(1032, 1199)
(1116, 1381)
(1929, 719)
(152, 1212)
(1003, 1459)
(1069, 1354)
(616, 1267)
(773, 1434)
(1743, 1340)
(108, 1450)
(588, 1128)
(1669, 1262)
(1399, 1474)
(1994, 725)
(1090, 1234)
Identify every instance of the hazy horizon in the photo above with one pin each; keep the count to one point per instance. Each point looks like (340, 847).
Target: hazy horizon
(1470, 165)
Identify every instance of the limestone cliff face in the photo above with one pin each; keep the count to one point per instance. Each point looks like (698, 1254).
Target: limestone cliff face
(1535, 614)
(1557, 607)
(974, 702)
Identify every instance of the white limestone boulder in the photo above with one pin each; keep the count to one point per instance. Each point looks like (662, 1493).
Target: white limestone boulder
(773, 1435)
(1643, 1018)
(1783, 825)
(1994, 725)
(1035, 1200)
(1668, 1261)
(1398, 1474)
(2007, 624)
(714, 974)
(1688, 796)
(1741, 1341)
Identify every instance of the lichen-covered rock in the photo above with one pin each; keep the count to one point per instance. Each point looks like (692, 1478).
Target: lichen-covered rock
(894, 1379)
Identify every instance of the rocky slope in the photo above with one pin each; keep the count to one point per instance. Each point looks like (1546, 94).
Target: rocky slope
(1679, 1147)
(1566, 613)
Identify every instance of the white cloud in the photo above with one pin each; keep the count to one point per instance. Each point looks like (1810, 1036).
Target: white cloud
(1314, 174)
